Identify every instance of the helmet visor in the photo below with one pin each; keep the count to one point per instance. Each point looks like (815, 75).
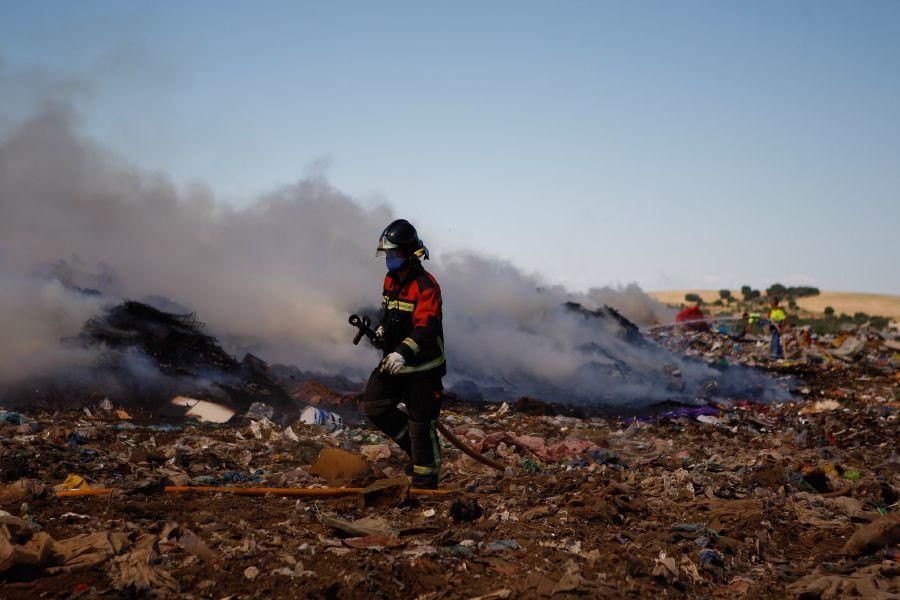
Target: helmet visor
(395, 252)
(385, 245)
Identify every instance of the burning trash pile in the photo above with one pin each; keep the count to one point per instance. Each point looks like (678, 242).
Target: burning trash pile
(729, 498)
(612, 366)
(166, 364)
(162, 362)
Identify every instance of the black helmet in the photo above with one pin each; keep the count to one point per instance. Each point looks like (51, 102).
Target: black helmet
(401, 235)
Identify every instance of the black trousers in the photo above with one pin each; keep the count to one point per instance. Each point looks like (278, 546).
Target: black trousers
(415, 434)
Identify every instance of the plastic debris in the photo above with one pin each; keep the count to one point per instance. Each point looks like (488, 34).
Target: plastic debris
(881, 533)
(339, 466)
(12, 418)
(196, 546)
(204, 410)
(740, 504)
(821, 406)
(72, 482)
(313, 415)
(375, 452)
(385, 492)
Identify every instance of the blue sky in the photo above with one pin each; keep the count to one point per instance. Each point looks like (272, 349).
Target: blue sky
(676, 144)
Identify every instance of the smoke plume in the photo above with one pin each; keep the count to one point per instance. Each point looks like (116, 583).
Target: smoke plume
(80, 229)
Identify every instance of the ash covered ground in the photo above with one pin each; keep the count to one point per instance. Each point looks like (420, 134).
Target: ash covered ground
(721, 497)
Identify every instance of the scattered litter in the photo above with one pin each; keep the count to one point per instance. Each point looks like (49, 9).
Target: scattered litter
(502, 546)
(72, 482)
(339, 466)
(501, 594)
(373, 542)
(289, 435)
(71, 515)
(385, 492)
(465, 510)
(727, 497)
(204, 410)
(137, 572)
(881, 533)
(259, 411)
(709, 419)
(375, 452)
(313, 415)
(196, 546)
(821, 406)
(12, 418)
(359, 528)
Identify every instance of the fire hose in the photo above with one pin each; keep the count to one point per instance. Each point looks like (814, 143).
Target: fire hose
(253, 491)
(363, 324)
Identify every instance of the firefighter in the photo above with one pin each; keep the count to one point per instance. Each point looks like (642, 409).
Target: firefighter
(411, 337)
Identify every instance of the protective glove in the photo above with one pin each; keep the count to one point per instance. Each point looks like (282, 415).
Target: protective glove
(392, 363)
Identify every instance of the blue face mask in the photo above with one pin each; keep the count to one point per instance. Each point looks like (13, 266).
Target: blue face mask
(394, 262)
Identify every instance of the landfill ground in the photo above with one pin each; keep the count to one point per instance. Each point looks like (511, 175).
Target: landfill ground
(729, 499)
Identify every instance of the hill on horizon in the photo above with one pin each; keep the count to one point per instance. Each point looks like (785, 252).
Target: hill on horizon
(884, 305)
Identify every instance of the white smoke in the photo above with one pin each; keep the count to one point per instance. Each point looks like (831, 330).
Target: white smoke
(34, 313)
(281, 273)
(278, 277)
(506, 323)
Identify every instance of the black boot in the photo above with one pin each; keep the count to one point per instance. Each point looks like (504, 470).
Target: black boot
(426, 463)
(393, 424)
(424, 482)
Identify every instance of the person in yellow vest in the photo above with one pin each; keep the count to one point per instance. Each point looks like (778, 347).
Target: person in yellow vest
(752, 322)
(776, 325)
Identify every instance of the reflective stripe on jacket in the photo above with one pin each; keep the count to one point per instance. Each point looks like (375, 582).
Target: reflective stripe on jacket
(412, 319)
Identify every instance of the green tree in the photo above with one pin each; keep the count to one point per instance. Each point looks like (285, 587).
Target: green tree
(829, 312)
(776, 289)
(803, 291)
(725, 295)
(693, 298)
(746, 290)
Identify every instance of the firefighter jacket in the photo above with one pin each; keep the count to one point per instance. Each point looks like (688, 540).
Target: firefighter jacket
(411, 316)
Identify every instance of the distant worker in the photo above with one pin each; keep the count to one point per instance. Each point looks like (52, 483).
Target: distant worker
(746, 324)
(753, 320)
(737, 328)
(411, 337)
(743, 325)
(776, 324)
(692, 318)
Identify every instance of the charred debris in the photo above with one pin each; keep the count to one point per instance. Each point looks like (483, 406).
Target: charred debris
(146, 357)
